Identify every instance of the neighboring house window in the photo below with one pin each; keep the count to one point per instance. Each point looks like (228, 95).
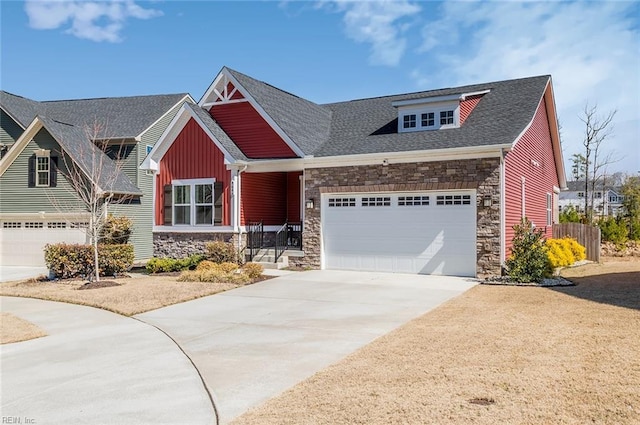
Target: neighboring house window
(598, 195)
(193, 202)
(580, 194)
(446, 117)
(428, 119)
(42, 169)
(409, 121)
(549, 209)
(149, 148)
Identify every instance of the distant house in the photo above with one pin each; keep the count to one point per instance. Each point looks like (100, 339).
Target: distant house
(33, 184)
(607, 200)
(429, 182)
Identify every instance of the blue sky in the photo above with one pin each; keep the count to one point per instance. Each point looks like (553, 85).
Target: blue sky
(330, 51)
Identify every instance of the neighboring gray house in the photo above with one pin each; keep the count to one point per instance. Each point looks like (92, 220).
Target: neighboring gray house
(34, 191)
(607, 200)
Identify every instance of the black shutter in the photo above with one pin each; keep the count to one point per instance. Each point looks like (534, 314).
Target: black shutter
(32, 171)
(167, 205)
(53, 171)
(217, 203)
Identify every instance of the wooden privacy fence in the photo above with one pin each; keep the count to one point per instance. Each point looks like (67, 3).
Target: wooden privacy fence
(588, 236)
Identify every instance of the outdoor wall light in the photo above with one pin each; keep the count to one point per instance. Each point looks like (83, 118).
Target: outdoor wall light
(486, 200)
(309, 204)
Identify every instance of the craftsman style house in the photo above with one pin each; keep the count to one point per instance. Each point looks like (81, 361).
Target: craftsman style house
(37, 201)
(429, 182)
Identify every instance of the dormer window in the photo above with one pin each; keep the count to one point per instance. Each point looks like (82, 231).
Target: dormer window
(409, 121)
(428, 119)
(435, 112)
(446, 117)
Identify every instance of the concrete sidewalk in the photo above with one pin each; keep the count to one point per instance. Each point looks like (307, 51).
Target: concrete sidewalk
(9, 273)
(97, 367)
(254, 342)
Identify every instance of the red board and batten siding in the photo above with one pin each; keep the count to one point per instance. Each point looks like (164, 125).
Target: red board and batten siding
(193, 155)
(467, 105)
(250, 132)
(272, 198)
(531, 158)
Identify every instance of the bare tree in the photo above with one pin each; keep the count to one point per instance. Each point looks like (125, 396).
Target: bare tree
(93, 167)
(597, 129)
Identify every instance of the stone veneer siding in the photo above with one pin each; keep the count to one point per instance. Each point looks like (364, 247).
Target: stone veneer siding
(181, 245)
(480, 174)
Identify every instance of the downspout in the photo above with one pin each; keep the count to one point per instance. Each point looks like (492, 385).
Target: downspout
(503, 221)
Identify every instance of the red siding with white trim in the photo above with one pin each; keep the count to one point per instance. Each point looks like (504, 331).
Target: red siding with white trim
(531, 158)
(193, 155)
(253, 135)
(467, 105)
(272, 198)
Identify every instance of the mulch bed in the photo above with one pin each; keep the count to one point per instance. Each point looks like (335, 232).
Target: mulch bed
(100, 284)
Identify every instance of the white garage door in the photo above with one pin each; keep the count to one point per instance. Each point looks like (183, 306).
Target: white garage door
(22, 242)
(426, 233)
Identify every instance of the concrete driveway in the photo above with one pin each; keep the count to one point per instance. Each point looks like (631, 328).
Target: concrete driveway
(96, 367)
(9, 273)
(254, 342)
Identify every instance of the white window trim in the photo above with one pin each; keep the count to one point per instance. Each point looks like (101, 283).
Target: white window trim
(43, 154)
(549, 209)
(192, 183)
(424, 109)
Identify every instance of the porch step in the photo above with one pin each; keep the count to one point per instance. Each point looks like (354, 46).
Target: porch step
(267, 258)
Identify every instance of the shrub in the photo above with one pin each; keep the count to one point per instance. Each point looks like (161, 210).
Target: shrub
(570, 214)
(213, 275)
(564, 252)
(72, 260)
(207, 265)
(528, 261)
(114, 259)
(227, 267)
(221, 252)
(164, 265)
(613, 229)
(253, 270)
(116, 230)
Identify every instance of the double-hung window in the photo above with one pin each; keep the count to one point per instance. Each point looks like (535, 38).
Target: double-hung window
(193, 202)
(42, 169)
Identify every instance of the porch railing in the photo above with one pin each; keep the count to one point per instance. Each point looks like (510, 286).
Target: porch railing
(255, 238)
(288, 236)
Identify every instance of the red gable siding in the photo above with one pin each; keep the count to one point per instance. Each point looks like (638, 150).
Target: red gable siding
(533, 159)
(193, 155)
(467, 105)
(253, 135)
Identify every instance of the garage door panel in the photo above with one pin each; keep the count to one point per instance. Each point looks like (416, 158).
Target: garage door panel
(429, 239)
(24, 246)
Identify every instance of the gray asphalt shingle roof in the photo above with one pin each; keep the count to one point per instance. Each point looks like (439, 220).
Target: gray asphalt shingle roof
(370, 125)
(217, 131)
(122, 117)
(92, 160)
(67, 120)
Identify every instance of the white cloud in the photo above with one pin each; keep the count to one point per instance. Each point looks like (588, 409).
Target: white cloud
(591, 49)
(378, 23)
(91, 20)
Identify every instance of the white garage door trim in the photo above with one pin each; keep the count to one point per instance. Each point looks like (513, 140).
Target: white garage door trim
(427, 232)
(22, 241)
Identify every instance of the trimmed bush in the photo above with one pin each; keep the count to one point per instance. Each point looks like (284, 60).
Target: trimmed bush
(116, 230)
(73, 260)
(564, 252)
(221, 252)
(206, 265)
(215, 276)
(253, 270)
(165, 265)
(528, 261)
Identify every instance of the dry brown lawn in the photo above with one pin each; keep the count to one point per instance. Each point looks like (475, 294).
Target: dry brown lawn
(132, 296)
(15, 329)
(494, 355)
